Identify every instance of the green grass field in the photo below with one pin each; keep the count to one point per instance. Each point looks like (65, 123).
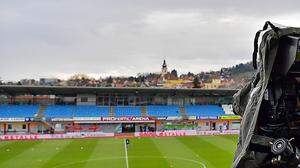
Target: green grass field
(175, 152)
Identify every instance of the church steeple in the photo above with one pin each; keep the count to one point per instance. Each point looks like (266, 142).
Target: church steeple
(164, 69)
(164, 65)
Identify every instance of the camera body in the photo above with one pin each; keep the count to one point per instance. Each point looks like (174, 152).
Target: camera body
(279, 116)
(270, 103)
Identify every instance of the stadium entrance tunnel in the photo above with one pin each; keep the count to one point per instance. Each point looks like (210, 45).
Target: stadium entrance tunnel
(173, 162)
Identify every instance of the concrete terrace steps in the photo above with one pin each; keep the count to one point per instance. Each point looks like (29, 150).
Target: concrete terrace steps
(40, 113)
(111, 111)
(183, 112)
(144, 111)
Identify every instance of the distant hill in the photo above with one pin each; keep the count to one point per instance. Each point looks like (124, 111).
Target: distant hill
(241, 74)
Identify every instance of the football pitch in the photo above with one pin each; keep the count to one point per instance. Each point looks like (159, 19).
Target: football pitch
(169, 152)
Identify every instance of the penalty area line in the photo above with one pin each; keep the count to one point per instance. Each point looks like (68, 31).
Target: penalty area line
(126, 155)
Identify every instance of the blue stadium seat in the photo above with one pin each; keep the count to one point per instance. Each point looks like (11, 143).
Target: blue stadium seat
(128, 111)
(18, 111)
(91, 111)
(104, 111)
(59, 111)
(163, 110)
(204, 110)
(68, 111)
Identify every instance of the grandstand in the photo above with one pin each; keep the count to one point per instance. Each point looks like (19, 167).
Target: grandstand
(62, 109)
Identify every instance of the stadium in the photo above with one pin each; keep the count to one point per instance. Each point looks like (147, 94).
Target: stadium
(52, 126)
(149, 84)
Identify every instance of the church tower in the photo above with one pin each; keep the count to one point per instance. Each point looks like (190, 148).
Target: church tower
(164, 70)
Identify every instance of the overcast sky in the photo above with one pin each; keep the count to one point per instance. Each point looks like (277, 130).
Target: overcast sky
(58, 38)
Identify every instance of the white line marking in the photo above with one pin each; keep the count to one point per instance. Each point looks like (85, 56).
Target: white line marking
(126, 155)
(139, 157)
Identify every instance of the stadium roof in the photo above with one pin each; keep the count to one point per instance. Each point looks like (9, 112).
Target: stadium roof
(73, 90)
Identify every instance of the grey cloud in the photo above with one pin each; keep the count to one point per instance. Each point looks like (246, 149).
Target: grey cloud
(44, 38)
